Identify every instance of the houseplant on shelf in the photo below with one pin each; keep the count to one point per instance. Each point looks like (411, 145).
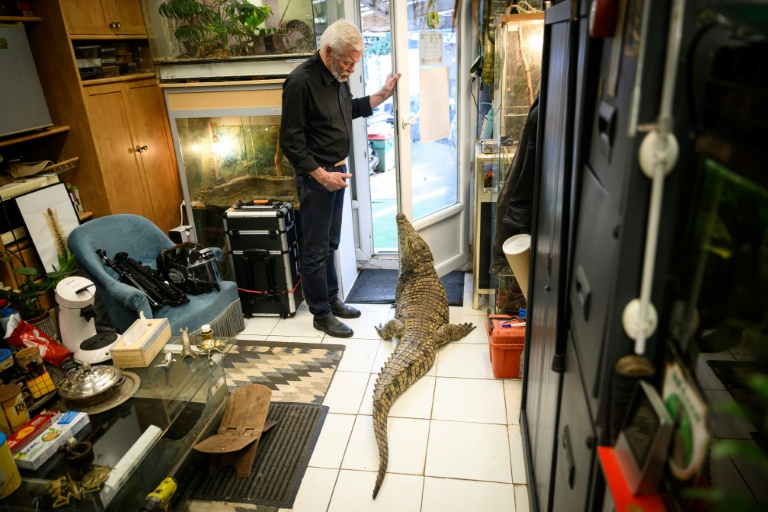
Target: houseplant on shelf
(34, 283)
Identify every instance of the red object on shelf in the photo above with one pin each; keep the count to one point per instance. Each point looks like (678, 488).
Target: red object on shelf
(506, 339)
(380, 136)
(623, 500)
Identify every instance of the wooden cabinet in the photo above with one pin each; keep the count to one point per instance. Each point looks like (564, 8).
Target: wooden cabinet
(118, 126)
(103, 17)
(134, 148)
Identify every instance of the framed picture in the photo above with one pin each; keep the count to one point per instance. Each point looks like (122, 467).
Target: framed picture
(49, 217)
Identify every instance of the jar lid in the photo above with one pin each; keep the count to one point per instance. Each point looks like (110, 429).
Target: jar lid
(8, 391)
(26, 353)
(89, 381)
(4, 354)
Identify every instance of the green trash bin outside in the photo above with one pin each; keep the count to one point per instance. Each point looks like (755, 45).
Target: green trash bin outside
(384, 146)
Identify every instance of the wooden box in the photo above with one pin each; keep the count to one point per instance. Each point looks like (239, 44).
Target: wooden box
(141, 342)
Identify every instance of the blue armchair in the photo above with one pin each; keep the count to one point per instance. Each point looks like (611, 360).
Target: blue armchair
(143, 241)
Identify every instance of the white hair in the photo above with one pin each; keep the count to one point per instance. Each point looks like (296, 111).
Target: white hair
(341, 36)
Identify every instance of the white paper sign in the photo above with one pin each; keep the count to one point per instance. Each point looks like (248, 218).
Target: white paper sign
(434, 122)
(430, 48)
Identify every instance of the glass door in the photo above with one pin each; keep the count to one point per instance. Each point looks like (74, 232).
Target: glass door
(412, 141)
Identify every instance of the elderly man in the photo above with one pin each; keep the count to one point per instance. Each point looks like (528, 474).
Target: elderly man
(315, 135)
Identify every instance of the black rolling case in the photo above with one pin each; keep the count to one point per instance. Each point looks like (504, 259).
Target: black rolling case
(265, 258)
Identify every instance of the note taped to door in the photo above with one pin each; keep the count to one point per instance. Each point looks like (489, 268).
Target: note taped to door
(434, 122)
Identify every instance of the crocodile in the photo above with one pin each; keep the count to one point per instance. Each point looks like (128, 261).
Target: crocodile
(419, 327)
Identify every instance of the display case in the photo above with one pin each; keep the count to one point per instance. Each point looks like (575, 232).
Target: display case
(219, 38)
(226, 140)
(489, 168)
(517, 73)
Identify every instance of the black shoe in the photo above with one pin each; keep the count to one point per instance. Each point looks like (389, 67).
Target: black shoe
(341, 310)
(331, 326)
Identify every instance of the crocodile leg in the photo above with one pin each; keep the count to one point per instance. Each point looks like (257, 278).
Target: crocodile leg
(452, 332)
(392, 329)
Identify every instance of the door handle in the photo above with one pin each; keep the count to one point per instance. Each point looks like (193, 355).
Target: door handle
(412, 120)
(570, 461)
(141, 149)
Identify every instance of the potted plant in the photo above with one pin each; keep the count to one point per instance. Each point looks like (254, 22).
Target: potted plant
(34, 283)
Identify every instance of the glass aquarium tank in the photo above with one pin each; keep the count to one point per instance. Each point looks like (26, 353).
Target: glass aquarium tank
(517, 71)
(721, 322)
(226, 141)
(206, 30)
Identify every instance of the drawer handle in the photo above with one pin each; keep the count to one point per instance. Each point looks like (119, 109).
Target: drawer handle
(583, 291)
(141, 149)
(115, 24)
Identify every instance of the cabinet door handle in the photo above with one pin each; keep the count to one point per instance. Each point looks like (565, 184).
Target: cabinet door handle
(141, 149)
(115, 24)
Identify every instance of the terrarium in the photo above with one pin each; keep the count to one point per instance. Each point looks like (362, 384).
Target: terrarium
(517, 72)
(231, 159)
(204, 30)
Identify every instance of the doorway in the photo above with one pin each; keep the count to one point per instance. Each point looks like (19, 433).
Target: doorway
(412, 141)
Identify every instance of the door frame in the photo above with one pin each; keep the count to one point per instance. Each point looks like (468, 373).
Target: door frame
(442, 225)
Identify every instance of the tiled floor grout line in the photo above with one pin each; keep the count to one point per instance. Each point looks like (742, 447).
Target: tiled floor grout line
(357, 415)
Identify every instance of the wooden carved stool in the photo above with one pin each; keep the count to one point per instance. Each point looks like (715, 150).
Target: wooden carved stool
(237, 439)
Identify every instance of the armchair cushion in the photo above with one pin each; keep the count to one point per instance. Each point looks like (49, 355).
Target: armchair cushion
(143, 241)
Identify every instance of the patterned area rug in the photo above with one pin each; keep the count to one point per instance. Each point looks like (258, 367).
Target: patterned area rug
(295, 372)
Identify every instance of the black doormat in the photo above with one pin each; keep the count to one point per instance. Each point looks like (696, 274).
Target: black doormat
(281, 460)
(378, 287)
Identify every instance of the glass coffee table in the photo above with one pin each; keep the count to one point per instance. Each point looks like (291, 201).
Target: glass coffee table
(143, 440)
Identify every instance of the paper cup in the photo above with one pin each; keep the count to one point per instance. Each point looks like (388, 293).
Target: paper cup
(517, 249)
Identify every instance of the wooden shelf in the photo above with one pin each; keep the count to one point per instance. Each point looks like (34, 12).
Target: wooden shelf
(34, 135)
(121, 78)
(110, 37)
(23, 19)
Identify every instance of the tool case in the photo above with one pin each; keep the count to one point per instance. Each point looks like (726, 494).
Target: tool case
(264, 255)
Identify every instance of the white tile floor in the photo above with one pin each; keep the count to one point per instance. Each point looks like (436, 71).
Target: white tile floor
(454, 437)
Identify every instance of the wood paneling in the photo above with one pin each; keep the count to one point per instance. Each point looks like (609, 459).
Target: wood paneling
(84, 17)
(56, 66)
(124, 180)
(93, 17)
(125, 12)
(150, 128)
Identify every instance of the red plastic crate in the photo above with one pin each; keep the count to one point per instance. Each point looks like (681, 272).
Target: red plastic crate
(506, 340)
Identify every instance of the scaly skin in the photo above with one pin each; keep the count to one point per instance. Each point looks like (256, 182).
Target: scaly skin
(420, 326)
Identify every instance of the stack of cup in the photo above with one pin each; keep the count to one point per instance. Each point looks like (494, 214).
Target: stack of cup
(517, 249)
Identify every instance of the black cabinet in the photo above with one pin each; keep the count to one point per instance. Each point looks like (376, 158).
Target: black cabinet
(577, 443)
(549, 249)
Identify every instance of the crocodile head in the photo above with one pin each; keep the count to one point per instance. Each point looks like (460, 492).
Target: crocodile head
(414, 251)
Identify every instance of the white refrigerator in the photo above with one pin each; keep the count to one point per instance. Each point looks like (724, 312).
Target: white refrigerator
(22, 103)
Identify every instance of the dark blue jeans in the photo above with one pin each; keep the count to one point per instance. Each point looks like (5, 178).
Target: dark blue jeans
(321, 230)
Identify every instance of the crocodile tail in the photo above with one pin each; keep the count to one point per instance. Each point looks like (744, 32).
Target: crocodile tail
(382, 402)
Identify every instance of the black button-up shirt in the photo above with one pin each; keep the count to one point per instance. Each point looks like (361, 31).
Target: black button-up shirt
(316, 125)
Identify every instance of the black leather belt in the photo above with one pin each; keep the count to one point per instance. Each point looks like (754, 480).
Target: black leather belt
(337, 164)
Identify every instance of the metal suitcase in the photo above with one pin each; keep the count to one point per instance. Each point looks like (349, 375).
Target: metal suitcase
(264, 256)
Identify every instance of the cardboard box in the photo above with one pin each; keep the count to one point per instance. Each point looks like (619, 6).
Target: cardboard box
(31, 430)
(141, 342)
(46, 444)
